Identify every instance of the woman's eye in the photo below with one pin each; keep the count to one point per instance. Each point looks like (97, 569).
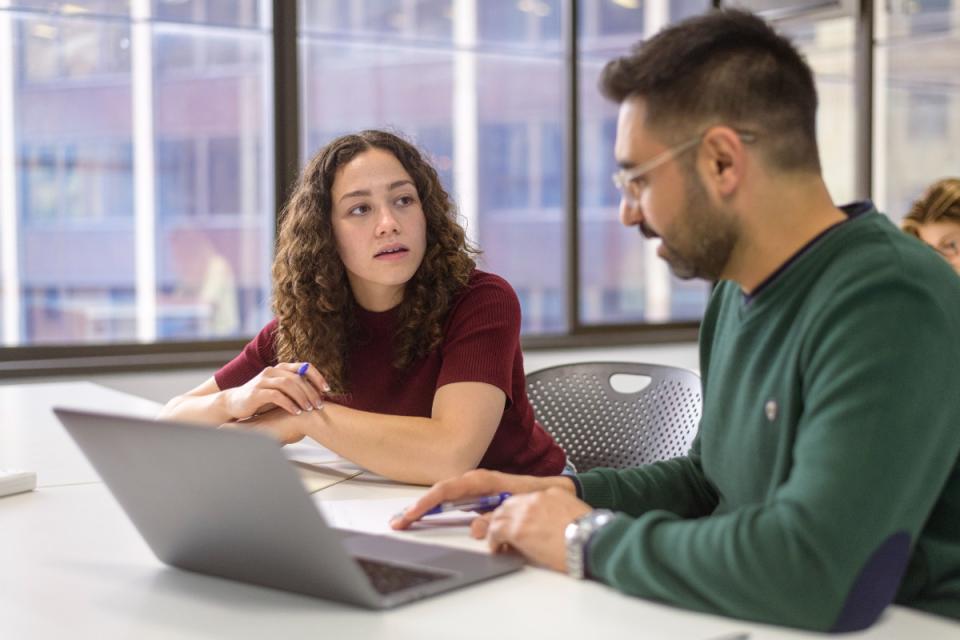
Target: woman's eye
(406, 201)
(358, 210)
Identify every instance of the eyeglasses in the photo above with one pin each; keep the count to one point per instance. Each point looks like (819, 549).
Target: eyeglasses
(628, 181)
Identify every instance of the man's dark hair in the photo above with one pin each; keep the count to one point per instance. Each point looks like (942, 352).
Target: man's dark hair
(724, 67)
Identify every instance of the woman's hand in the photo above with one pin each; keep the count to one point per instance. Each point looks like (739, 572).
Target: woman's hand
(277, 424)
(282, 386)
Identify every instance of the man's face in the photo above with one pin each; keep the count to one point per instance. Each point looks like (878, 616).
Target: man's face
(697, 237)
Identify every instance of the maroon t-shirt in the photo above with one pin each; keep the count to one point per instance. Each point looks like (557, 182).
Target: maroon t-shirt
(481, 343)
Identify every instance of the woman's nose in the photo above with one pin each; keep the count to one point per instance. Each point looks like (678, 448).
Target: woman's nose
(386, 221)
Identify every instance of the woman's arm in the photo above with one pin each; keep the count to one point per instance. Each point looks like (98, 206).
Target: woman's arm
(452, 440)
(280, 386)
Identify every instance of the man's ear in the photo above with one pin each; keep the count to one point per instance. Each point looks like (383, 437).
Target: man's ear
(725, 159)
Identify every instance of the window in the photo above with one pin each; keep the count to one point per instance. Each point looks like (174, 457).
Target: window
(176, 170)
(621, 281)
(504, 152)
(829, 48)
(917, 138)
(492, 78)
(134, 134)
(137, 151)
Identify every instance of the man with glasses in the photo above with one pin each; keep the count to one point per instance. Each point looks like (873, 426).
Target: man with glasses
(824, 481)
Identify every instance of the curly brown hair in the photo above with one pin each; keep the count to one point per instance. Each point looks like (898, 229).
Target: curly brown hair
(940, 202)
(312, 299)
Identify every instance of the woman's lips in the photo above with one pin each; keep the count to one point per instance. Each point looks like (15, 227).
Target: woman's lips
(392, 253)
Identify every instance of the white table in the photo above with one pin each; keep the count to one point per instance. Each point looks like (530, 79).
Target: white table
(72, 565)
(31, 437)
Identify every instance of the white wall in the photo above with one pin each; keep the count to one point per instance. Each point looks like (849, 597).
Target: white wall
(162, 385)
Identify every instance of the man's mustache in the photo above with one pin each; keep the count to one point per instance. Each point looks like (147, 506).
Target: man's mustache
(647, 231)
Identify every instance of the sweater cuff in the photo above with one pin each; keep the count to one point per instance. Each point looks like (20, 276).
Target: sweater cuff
(595, 490)
(576, 483)
(602, 543)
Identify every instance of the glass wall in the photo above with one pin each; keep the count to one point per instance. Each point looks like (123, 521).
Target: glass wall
(479, 85)
(141, 137)
(917, 98)
(828, 45)
(621, 278)
(137, 152)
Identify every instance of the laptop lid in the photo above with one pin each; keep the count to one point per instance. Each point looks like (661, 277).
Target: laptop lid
(226, 502)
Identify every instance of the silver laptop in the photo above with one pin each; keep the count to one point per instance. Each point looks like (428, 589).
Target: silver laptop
(228, 503)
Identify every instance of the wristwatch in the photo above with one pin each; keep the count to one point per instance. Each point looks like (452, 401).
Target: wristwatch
(577, 535)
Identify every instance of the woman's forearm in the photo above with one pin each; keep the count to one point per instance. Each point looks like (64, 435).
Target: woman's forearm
(199, 409)
(408, 449)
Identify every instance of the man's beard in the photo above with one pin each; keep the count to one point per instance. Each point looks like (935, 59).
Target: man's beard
(708, 233)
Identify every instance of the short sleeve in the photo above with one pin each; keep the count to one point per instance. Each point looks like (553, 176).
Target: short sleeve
(482, 335)
(258, 354)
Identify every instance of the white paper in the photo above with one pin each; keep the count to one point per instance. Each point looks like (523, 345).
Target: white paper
(310, 452)
(373, 516)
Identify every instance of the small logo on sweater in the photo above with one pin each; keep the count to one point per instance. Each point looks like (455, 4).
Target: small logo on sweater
(771, 409)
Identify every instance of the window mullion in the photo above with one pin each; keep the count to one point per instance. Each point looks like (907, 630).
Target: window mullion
(144, 206)
(9, 233)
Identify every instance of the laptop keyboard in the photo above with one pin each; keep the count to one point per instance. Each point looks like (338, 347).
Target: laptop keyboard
(388, 578)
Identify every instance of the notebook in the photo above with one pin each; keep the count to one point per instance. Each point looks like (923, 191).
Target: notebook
(227, 503)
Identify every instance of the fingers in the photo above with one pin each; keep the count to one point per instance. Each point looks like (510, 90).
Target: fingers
(480, 525)
(472, 484)
(299, 382)
(316, 380)
(315, 385)
(501, 530)
(280, 399)
(297, 385)
(533, 524)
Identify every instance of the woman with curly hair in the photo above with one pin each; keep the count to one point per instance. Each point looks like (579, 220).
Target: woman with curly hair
(388, 346)
(935, 219)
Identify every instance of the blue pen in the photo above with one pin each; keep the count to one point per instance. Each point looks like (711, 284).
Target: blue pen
(483, 503)
(302, 371)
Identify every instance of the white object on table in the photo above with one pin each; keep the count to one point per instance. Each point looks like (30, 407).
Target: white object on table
(13, 481)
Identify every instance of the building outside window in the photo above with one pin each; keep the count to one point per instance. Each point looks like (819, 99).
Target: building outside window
(136, 135)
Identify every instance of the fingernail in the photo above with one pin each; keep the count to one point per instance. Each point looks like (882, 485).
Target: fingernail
(299, 411)
(326, 387)
(309, 407)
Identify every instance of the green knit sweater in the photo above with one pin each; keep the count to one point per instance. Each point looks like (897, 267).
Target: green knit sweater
(824, 481)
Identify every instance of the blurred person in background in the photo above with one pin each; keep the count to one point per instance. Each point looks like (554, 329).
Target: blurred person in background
(935, 219)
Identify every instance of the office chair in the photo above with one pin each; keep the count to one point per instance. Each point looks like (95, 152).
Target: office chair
(600, 426)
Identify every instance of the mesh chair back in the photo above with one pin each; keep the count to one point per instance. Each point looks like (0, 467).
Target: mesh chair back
(598, 426)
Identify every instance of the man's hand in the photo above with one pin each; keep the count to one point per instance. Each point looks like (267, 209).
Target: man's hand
(473, 484)
(533, 524)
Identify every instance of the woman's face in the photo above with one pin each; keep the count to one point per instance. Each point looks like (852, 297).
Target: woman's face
(379, 227)
(944, 236)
